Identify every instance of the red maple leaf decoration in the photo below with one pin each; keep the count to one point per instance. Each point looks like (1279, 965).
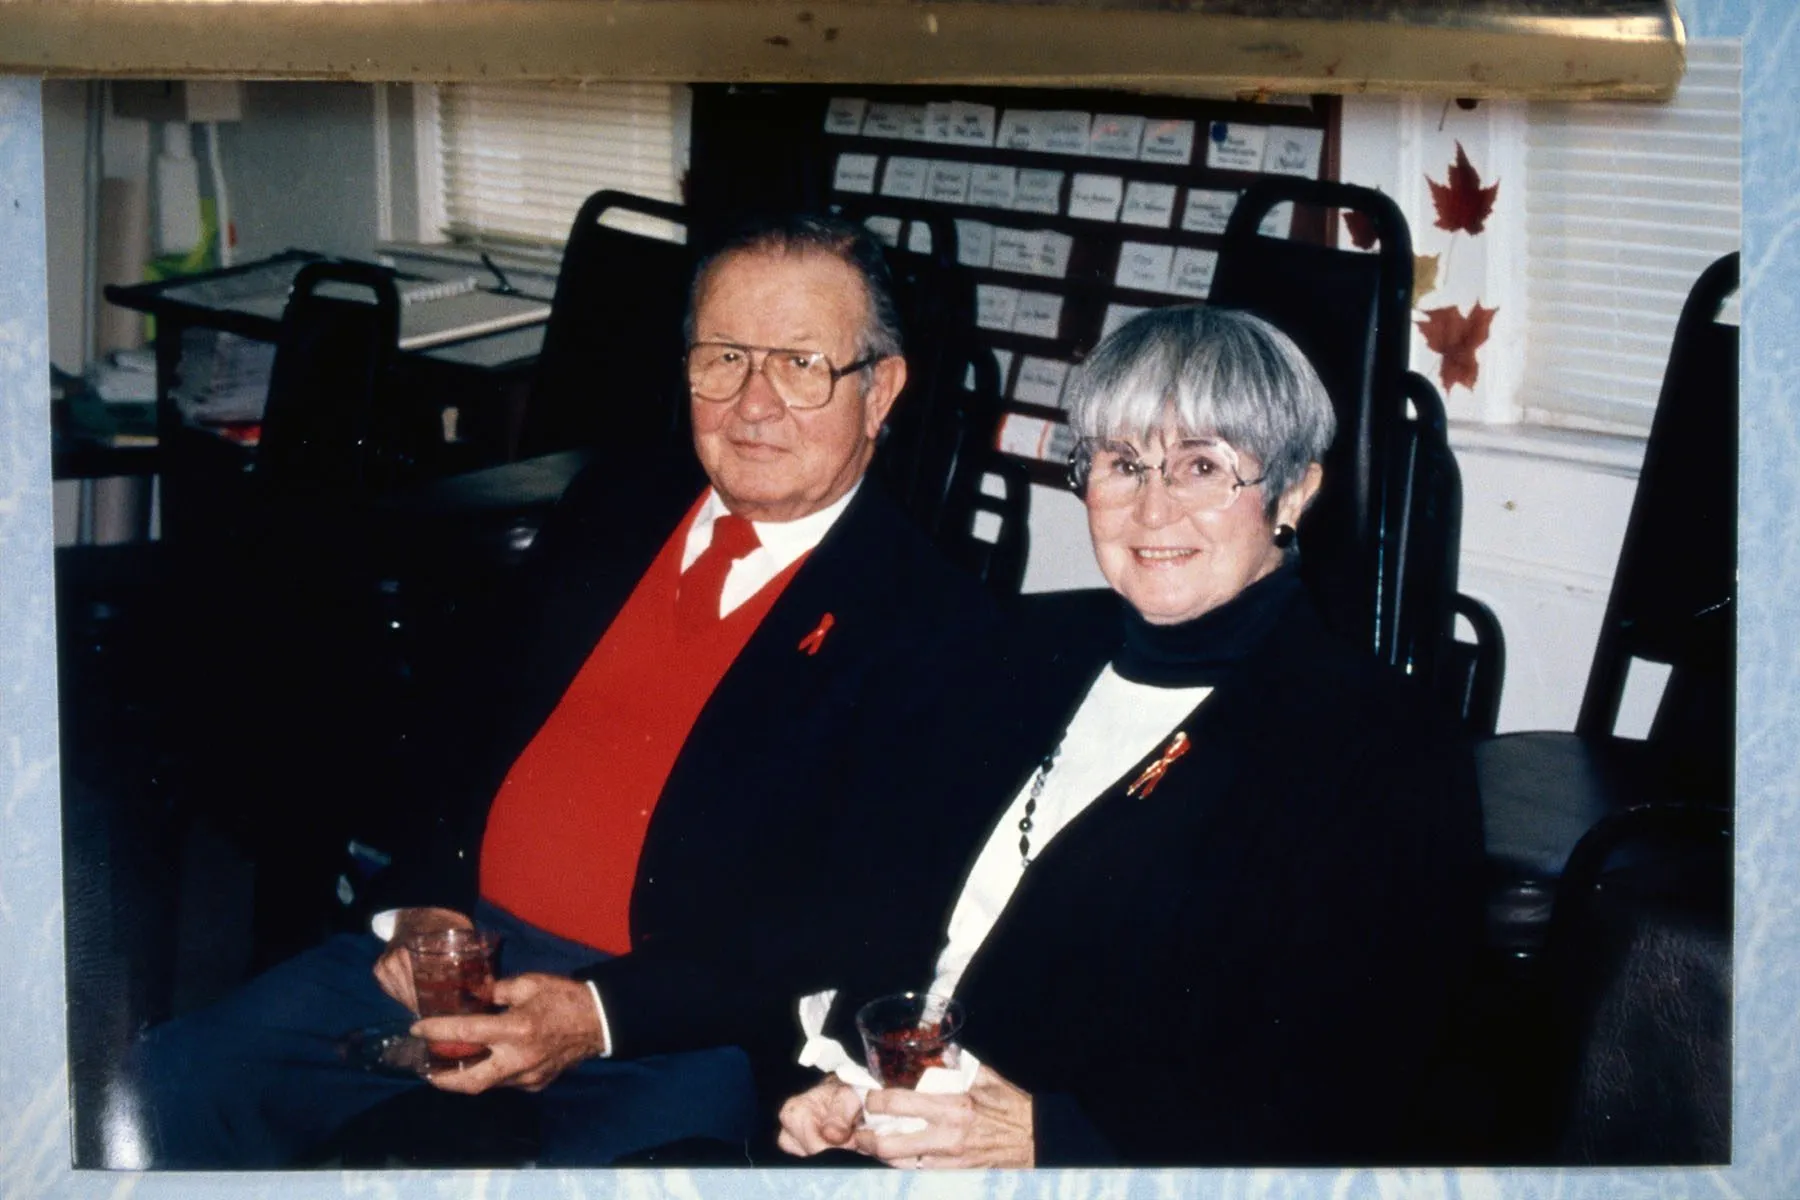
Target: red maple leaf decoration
(1456, 338)
(1362, 229)
(1462, 203)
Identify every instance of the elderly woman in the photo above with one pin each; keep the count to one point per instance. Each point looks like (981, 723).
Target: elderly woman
(1203, 877)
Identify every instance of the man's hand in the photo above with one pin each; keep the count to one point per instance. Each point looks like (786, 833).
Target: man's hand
(393, 970)
(550, 1024)
(989, 1126)
(821, 1118)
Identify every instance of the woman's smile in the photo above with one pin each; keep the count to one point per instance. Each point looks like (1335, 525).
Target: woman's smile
(1163, 557)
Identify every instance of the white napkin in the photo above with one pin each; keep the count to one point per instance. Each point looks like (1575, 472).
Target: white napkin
(829, 1055)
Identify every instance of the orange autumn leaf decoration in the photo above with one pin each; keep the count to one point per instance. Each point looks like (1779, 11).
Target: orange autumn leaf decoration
(1462, 203)
(1456, 338)
(1362, 229)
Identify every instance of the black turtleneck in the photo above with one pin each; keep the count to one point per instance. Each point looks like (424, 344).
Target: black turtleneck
(1202, 652)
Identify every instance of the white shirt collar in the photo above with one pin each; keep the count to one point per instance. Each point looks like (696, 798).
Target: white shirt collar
(782, 543)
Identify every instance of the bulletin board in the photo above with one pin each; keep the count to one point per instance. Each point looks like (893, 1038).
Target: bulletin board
(1075, 210)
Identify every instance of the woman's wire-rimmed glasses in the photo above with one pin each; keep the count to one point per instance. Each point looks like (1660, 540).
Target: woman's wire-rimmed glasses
(1201, 473)
(803, 379)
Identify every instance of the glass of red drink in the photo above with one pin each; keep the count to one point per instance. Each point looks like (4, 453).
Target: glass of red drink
(453, 975)
(905, 1034)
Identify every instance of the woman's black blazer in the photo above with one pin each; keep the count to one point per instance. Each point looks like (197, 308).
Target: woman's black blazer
(1252, 964)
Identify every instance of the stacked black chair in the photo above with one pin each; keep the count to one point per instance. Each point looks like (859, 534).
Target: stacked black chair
(1673, 601)
(609, 374)
(937, 453)
(1639, 974)
(1380, 544)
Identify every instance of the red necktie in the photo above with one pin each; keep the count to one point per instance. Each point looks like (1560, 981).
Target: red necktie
(697, 597)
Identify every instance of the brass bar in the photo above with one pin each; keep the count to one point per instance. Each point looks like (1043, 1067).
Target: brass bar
(1578, 49)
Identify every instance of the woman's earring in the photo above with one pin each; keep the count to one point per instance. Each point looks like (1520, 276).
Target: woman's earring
(1284, 536)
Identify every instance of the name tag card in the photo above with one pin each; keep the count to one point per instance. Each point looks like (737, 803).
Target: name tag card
(1038, 192)
(1207, 211)
(1023, 436)
(918, 238)
(886, 120)
(912, 123)
(855, 173)
(1018, 128)
(937, 123)
(1192, 272)
(1144, 267)
(1170, 142)
(905, 177)
(993, 187)
(948, 182)
(1063, 132)
(885, 228)
(975, 244)
(1294, 152)
(1149, 204)
(1015, 250)
(971, 124)
(1041, 381)
(844, 115)
(1053, 254)
(1116, 136)
(1096, 197)
(1280, 221)
(996, 306)
(1039, 314)
(1117, 315)
(1235, 147)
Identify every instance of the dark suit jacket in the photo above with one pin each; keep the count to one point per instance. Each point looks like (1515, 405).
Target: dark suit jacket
(741, 822)
(1251, 964)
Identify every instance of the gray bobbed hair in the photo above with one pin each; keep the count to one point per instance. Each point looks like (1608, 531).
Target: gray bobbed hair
(1219, 373)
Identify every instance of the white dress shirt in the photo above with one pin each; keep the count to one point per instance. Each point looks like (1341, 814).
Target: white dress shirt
(782, 542)
(1118, 724)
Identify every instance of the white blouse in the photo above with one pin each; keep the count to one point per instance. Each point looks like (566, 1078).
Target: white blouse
(1118, 724)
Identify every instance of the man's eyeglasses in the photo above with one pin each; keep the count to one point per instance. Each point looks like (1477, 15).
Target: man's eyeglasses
(804, 379)
(1201, 475)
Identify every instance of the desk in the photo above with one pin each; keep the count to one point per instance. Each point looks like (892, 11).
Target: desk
(483, 378)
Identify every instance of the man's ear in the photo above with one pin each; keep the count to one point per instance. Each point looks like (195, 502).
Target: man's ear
(1298, 498)
(888, 379)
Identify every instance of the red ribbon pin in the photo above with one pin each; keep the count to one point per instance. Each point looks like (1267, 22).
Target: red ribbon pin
(812, 641)
(1146, 783)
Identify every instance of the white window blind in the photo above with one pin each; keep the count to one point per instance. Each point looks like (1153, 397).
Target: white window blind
(1625, 205)
(516, 160)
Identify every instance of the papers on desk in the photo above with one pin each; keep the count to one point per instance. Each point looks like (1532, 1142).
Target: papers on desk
(224, 378)
(433, 310)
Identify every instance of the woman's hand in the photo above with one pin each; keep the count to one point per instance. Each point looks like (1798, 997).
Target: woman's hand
(823, 1117)
(989, 1126)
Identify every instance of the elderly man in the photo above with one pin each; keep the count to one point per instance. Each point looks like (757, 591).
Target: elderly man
(635, 794)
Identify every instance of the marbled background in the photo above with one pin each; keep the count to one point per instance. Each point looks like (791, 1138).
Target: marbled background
(34, 1118)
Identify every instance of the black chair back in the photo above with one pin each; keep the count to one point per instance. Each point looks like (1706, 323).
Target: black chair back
(322, 428)
(985, 525)
(1639, 957)
(610, 370)
(937, 453)
(1679, 606)
(1348, 312)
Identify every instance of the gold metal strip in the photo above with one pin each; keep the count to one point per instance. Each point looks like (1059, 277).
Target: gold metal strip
(1519, 48)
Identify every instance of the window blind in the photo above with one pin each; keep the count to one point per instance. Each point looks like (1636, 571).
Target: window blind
(1625, 205)
(517, 160)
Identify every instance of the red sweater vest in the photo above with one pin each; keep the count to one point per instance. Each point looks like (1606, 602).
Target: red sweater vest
(567, 826)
